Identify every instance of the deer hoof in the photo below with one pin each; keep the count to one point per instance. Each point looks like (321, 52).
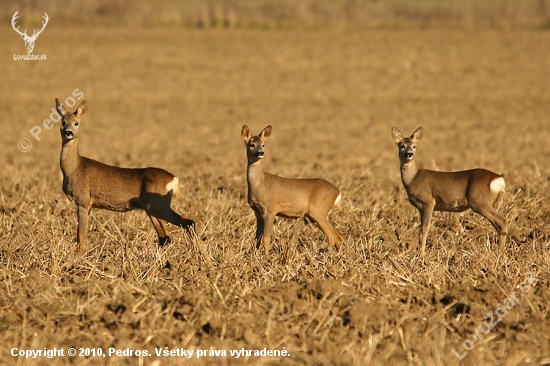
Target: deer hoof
(189, 226)
(164, 241)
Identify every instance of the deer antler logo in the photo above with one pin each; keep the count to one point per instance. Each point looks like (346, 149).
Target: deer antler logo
(29, 41)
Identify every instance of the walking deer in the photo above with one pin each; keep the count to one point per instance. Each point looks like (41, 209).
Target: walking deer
(91, 184)
(270, 195)
(430, 190)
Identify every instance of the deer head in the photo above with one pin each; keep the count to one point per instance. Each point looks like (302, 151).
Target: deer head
(29, 41)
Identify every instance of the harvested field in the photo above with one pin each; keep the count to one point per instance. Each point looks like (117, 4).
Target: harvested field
(177, 99)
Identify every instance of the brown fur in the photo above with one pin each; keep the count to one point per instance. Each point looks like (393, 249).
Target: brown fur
(91, 184)
(430, 190)
(270, 195)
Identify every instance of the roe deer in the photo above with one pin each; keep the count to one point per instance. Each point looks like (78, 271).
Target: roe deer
(270, 195)
(91, 184)
(430, 190)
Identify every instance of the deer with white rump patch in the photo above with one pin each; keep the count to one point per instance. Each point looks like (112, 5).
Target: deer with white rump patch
(270, 195)
(91, 184)
(430, 190)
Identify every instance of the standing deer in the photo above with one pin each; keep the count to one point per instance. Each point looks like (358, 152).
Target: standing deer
(270, 195)
(430, 190)
(91, 184)
(29, 41)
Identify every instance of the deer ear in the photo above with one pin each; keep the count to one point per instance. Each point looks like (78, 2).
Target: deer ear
(245, 133)
(396, 134)
(266, 132)
(82, 108)
(417, 135)
(62, 112)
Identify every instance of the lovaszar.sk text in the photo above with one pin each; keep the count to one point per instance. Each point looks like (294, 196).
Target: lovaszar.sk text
(30, 57)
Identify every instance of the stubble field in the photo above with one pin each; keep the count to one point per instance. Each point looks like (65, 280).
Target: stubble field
(177, 99)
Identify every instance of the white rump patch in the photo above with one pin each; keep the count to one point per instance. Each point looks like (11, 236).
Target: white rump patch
(497, 185)
(338, 199)
(173, 186)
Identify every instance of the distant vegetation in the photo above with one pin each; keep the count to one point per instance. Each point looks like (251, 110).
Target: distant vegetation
(284, 14)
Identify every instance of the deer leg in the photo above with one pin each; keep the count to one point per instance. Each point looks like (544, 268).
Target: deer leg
(259, 227)
(158, 206)
(83, 213)
(165, 213)
(499, 222)
(268, 219)
(182, 222)
(164, 239)
(426, 213)
(324, 224)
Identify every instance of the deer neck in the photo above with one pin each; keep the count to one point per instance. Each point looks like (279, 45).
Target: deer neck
(408, 172)
(254, 175)
(70, 157)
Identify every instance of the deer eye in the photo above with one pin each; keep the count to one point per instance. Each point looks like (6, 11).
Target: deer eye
(76, 123)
